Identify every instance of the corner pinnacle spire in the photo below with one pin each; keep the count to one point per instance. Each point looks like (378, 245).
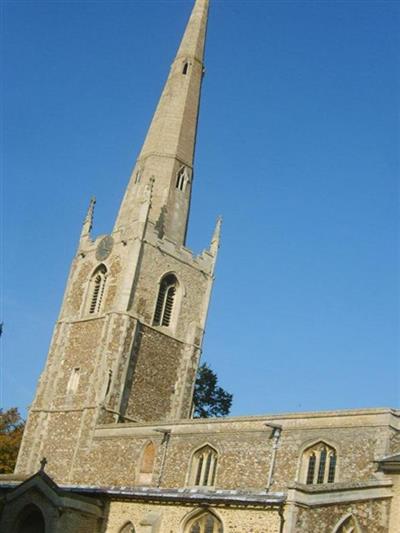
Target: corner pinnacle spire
(88, 222)
(168, 150)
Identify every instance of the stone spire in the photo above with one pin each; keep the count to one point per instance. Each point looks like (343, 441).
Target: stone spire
(168, 150)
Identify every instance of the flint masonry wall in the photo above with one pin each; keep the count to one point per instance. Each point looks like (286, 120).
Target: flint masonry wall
(244, 449)
(372, 517)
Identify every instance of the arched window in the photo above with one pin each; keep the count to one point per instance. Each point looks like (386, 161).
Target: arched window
(319, 464)
(97, 285)
(165, 301)
(147, 464)
(348, 525)
(31, 520)
(181, 179)
(204, 522)
(127, 528)
(204, 465)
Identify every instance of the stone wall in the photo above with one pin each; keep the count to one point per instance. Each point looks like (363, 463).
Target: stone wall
(172, 518)
(371, 516)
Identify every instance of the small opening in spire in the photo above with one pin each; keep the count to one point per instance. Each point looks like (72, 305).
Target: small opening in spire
(185, 68)
(181, 179)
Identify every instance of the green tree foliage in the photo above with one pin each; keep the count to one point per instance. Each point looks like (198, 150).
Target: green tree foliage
(209, 399)
(11, 429)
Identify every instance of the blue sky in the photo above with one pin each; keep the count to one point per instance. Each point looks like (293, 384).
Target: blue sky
(298, 150)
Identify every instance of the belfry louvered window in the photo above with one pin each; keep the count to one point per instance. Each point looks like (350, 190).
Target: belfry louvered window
(98, 283)
(319, 464)
(165, 301)
(204, 466)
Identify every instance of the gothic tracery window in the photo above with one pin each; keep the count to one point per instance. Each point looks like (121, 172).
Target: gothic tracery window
(205, 522)
(165, 301)
(97, 285)
(319, 464)
(204, 465)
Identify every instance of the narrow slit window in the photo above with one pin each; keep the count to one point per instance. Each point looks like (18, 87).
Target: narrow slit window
(311, 469)
(322, 464)
(185, 68)
(332, 467)
(138, 176)
(165, 301)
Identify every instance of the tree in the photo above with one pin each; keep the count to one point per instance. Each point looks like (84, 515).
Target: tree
(209, 399)
(11, 429)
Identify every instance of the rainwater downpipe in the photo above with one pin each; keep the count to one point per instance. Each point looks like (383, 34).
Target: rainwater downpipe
(275, 435)
(165, 441)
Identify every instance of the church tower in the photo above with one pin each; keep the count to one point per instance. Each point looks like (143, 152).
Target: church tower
(127, 342)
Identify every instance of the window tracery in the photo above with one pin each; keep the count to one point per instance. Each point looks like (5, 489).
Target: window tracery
(181, 179)
(204, 465)
(319, 464)
(205, 522)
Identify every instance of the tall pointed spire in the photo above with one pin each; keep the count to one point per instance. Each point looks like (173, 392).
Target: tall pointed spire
(168, 150)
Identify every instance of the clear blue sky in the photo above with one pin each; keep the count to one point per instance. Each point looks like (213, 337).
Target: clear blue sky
(298, 149)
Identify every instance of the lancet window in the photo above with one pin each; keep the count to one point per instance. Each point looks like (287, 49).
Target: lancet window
(204, 465)
(185, 68)
(205, 522)
(181, 179)
(97, 286)
(166, 301)
(147, 464)
(319, 464)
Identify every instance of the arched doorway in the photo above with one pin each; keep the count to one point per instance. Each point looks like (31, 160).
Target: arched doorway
(31, 520)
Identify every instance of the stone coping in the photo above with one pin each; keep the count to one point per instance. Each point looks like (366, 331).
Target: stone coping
(342, 486)
(291, 418)
(183, 495)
